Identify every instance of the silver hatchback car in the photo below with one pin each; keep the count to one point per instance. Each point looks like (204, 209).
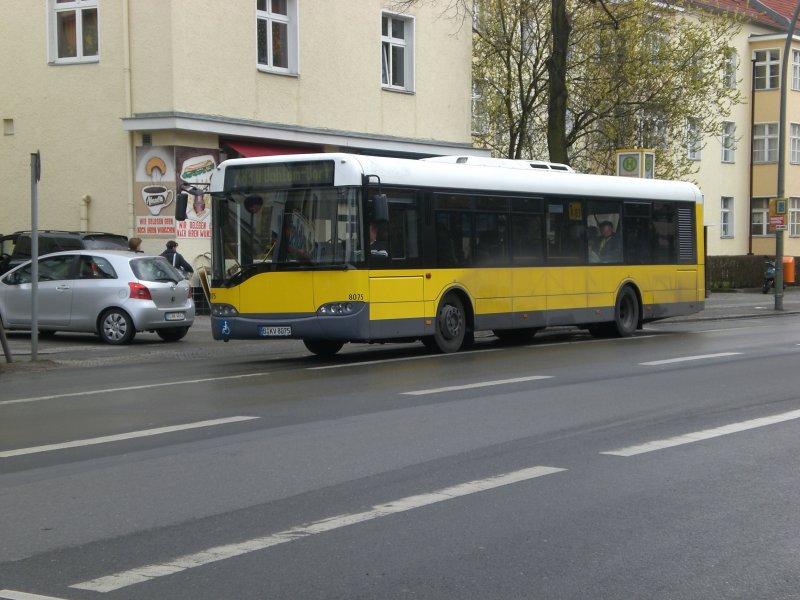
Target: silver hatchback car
(109, 292)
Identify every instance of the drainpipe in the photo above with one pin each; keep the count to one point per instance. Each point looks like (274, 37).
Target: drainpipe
(130, 152)
(85, 201)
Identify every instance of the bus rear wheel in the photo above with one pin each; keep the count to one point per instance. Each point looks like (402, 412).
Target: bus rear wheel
(626, 313)
(451, 326)
(626, 317)
(323, 347)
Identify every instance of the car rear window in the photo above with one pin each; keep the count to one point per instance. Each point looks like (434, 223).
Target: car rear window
(155, 268)
(106, 242)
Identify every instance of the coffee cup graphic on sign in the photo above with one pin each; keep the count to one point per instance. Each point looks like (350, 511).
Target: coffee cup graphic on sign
(157, 198)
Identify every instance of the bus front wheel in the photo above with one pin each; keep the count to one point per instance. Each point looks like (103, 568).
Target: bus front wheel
(323, 347)
(451, 326)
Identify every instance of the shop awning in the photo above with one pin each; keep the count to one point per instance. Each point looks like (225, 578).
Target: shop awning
(249, 149)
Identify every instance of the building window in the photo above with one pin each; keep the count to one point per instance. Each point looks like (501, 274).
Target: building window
(794, 217)
(397, 52)
(796, 69)
(726, 217)
(730, 68)
(767, 69)
(72, 27)
(693, 140)
(277, 35)
(759, 216)
(765, 142)
(728, 142)
(794, 141)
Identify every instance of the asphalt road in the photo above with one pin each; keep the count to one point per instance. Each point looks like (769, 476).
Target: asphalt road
(661, 466)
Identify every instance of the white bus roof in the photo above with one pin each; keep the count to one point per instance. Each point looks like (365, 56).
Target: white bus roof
(507, 163)
(451, 175)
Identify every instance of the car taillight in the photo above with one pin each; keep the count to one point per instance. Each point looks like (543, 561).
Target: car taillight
(139, 291)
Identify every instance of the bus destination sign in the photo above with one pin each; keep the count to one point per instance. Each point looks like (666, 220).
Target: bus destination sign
(279, 175)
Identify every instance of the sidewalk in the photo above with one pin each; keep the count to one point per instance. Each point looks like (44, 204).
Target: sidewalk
(744, 303)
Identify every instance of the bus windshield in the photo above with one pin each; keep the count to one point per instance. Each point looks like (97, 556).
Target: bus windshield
(286, 229)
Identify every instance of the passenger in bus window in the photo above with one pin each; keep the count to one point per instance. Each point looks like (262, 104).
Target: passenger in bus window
(377, 247)
(293, 240)
(609, 247)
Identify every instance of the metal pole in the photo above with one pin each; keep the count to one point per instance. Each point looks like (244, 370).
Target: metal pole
(782, 157)
(35, 173)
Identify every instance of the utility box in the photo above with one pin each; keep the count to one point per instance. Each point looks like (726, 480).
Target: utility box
(788, 269)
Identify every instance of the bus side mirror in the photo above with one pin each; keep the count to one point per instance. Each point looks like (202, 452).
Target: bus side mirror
(380, 208)
(180, 206)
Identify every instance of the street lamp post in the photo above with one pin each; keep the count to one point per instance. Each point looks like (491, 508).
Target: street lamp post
(782, 157)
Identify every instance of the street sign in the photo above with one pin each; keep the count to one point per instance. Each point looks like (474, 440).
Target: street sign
(777, 221)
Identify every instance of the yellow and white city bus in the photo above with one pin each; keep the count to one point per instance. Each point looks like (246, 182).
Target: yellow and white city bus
(337, 248)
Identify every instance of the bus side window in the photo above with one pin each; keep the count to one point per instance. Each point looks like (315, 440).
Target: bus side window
(637, 234)
(403, 229)
(565, 233)
(490, 239)
(526, 239)
(453, 239)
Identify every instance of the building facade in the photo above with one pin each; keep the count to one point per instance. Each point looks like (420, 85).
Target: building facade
(738, 167)
(127, 100)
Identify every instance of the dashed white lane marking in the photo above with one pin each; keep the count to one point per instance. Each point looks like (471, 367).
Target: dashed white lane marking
(670, 361)
(706, 434)
(129, 388)
(13, 595)
(122, 436)
(469, 386)
(189, 561)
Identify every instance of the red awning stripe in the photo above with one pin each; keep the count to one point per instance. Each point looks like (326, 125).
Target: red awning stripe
(249, 150)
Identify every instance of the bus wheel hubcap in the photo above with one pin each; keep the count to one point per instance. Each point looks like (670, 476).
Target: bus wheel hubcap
(451, 321)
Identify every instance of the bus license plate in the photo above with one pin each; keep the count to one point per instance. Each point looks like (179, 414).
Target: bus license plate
(174, 316)
(275, 331)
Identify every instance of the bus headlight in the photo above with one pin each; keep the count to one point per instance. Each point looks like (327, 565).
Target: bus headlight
(223, 310)
(337, 308)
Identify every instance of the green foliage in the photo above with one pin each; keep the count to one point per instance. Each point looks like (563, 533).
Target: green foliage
(637, 72)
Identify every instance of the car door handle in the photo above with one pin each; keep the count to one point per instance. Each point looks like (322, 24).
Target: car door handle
(63, 287)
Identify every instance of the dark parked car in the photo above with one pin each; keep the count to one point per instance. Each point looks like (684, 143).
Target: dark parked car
(15, 248)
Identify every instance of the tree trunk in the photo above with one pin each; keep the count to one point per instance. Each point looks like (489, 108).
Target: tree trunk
(557, 70)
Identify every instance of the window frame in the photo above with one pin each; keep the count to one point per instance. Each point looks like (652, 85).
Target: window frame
(730, 69)
(768, 61)
(769, 138)
(694, 141)
(291, 21)
(728, 142)
(794, 143)
(795, 84)
(726, 216)
(794, 217)
(79, 7)
(763, 212)
(407, 44)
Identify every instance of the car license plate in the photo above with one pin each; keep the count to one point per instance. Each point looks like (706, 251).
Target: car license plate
(174, 316)
(275, 331)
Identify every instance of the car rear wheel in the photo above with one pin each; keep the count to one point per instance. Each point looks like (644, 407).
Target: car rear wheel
(116, 327)
(172, 334)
